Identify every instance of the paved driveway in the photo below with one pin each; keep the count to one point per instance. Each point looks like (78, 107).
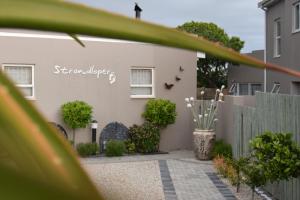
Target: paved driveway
(174, 176)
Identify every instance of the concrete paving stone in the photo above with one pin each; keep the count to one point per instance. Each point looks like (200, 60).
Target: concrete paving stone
(190, 180)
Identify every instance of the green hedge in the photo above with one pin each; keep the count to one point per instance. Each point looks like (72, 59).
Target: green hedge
(222, 149)
(87, 149)
(115, 148)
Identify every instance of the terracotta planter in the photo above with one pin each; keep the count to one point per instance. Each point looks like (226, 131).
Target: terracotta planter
(203, 143)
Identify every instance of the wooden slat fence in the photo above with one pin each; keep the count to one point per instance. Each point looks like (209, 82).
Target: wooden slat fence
(276, 113)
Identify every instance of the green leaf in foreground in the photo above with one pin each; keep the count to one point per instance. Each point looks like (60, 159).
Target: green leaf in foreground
(33, 156)
(60, 16)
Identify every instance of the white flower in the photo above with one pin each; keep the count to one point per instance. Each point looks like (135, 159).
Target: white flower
(212, 100)
(187, 100)
(223, 86)
(205, 115)
(200, 116)
(197, 68)
(218, 90)
(195, 120)
(189, 105)
(220, 100)
(221, 94)
(202, 92)
(192, 98)
(215, 120)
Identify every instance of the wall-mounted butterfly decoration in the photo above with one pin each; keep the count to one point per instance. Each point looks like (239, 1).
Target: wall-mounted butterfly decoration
(177, 78)
(181, 69)
(169, 86)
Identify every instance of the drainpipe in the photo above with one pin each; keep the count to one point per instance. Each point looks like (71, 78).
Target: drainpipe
(265, 51)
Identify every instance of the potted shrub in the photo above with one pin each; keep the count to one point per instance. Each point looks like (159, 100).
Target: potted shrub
(204, 118)
(76, 114)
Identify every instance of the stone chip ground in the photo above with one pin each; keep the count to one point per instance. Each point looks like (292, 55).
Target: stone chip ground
(127, 180)
(174, 176)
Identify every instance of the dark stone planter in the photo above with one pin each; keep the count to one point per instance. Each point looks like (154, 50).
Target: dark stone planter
(203, 143)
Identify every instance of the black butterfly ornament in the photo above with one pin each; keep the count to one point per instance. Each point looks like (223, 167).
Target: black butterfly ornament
(169, 86)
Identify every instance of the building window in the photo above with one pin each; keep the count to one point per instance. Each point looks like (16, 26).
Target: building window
(296, 17)
(23, 76)
(254, 87)
(142, 82)
(277, 38)
(248, 88)
(243, 89)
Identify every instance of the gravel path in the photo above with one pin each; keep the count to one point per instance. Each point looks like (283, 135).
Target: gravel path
(174, 176)
(127, 180)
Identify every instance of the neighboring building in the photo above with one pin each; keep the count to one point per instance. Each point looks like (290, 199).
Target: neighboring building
(116, 77)
(244, 80)
(282, 42)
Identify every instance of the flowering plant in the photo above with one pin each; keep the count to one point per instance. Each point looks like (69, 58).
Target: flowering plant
(205, 113)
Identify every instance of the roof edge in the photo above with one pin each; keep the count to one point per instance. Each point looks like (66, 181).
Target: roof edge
(267, 3)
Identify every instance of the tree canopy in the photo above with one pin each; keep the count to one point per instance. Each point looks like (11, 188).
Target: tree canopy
(212, 72)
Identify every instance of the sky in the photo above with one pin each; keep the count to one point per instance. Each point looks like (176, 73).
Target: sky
(240, 18)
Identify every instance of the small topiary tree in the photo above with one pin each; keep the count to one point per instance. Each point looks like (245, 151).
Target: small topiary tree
(277, 155)
(160, 112)
(76, 114)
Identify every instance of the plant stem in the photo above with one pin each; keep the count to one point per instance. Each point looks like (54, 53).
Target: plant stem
(73, 137)
(238, 181)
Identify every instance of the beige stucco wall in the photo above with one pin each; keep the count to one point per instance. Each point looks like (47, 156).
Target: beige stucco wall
(111, 102)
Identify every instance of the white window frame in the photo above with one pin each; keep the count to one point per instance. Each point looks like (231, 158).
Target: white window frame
(294, 29)
(32, 97)
(277, 38)
(146, 85)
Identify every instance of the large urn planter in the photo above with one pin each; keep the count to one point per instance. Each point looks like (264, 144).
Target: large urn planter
(203, 143)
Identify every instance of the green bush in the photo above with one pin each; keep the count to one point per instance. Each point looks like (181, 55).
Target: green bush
(87, 149)
(76, 114)
(160, 112)
(146, 137)
(222, 149)
(115, 148)
(277, 155)
(130, 146)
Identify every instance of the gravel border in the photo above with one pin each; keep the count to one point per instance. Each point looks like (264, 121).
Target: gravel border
(223, 189)
(245, 191)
